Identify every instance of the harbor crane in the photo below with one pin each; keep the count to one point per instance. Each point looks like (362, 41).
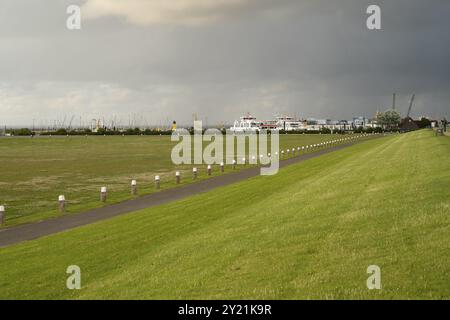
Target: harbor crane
(410, 105)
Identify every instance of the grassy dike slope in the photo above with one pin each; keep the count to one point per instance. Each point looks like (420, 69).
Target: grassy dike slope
(309, 232)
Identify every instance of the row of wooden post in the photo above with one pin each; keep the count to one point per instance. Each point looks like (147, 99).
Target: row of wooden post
(104, 191)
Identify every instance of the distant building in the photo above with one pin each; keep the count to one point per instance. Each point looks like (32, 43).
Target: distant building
(359, 122)
(408, 124)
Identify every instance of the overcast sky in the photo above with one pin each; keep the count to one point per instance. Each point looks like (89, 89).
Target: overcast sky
(167, 59)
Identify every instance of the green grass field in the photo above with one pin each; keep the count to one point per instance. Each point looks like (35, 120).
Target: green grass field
(308, 232)
(34, 172)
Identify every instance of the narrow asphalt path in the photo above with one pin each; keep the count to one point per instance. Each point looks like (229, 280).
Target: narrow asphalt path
(13, 235)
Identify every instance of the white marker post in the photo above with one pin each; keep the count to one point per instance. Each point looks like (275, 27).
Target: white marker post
(178, 177)
(209, 169)
(157, 182)
(222, 167)
(133, 187)
(234, 164)
(2, 215)
(194, 173)
(103, 191)
(62, 203)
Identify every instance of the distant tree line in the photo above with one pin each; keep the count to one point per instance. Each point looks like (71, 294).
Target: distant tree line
(101, 131)
(389, 121)
(108, 132)
(20, 132)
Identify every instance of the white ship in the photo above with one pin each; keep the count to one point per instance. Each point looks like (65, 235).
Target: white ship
(287, 123)
(246, 123)
(250, 124)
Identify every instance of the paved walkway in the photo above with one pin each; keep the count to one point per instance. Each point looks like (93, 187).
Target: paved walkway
(13, 235)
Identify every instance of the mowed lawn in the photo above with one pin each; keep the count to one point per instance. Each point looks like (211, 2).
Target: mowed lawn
(35, 171)
(309, 232)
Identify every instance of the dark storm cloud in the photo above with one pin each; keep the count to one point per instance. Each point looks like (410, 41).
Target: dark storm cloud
(305, 58)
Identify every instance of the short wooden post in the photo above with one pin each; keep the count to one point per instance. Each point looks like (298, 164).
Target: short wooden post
(209, 169)
(194, 173)
(157, 182)
(2, 215)
(133, 187)
(178, 177)
(103, 194)
(62, 203)
(222, 167)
